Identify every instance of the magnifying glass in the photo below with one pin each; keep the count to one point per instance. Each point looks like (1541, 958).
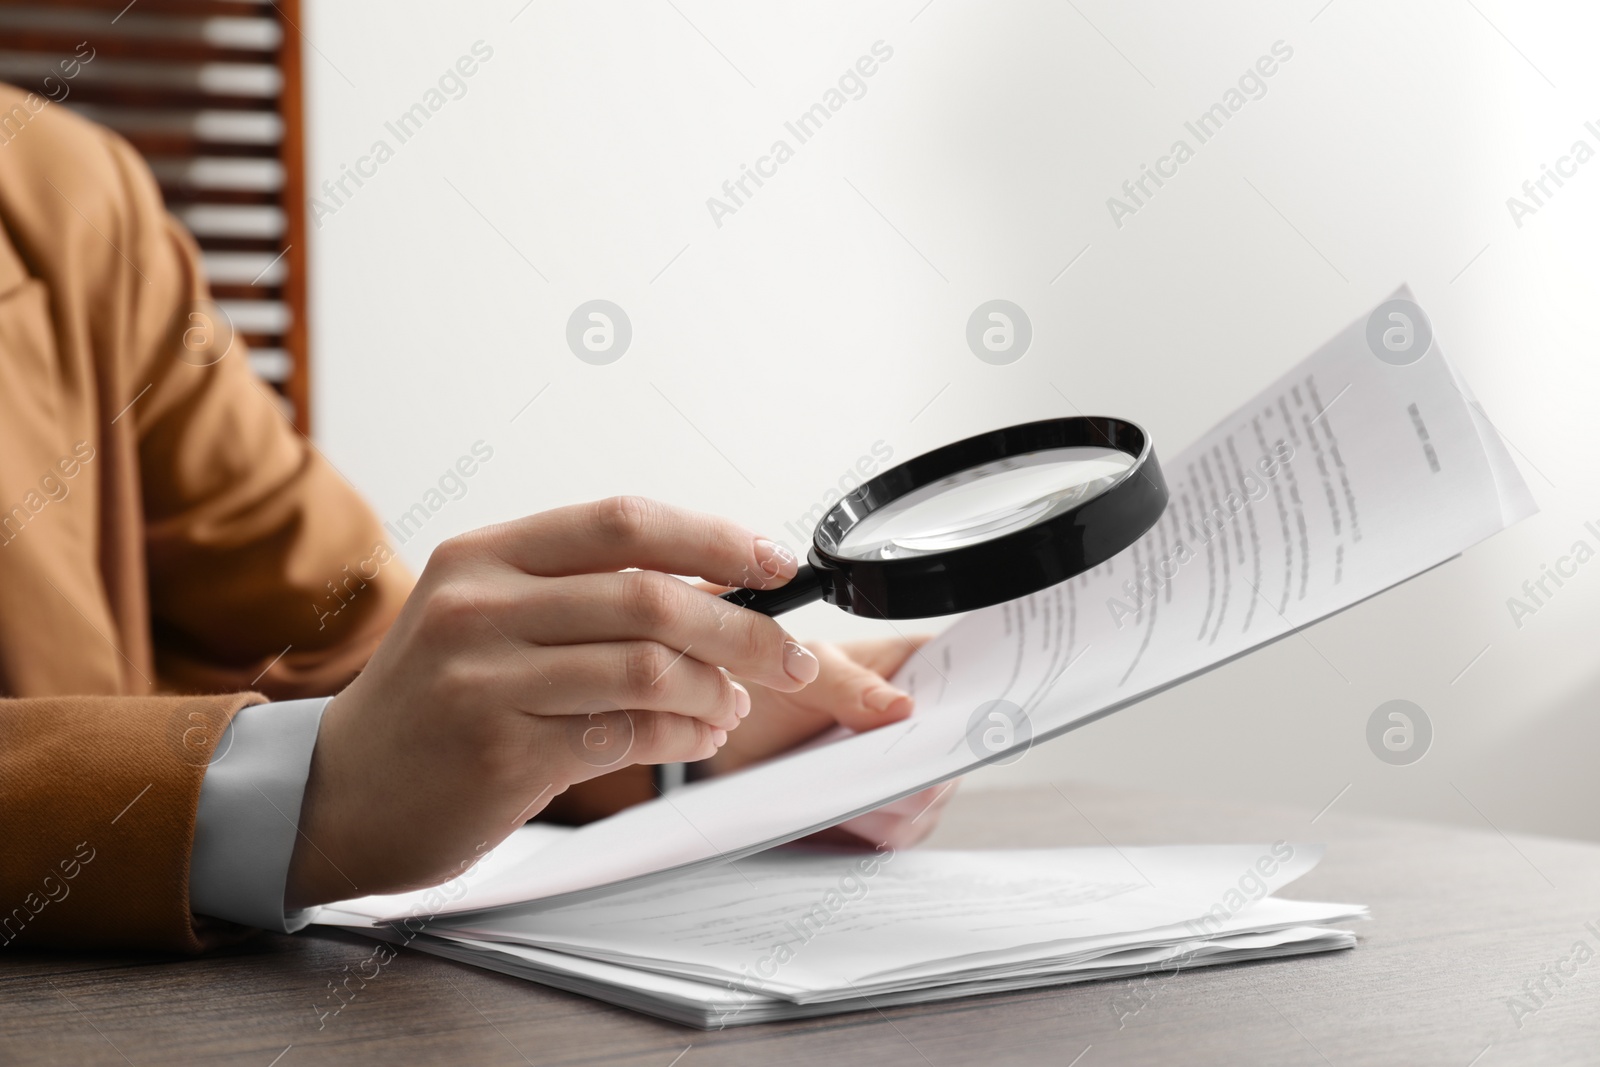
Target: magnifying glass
(982, 521)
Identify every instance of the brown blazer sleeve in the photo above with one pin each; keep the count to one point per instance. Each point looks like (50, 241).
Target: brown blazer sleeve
(99, 797)
(205, 546)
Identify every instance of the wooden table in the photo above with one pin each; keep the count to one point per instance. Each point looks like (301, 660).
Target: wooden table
(1462, 919)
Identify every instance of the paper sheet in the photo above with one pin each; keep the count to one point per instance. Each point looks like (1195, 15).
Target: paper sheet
(794, 932)
(796, 923)
(1346, 476)
(715, 1006)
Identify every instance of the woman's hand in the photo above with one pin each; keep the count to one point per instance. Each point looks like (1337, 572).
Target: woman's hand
(851, 691)
(527, 660)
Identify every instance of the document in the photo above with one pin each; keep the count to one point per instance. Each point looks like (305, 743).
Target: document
(715, 1007)
(798, 923)
(1347, 475)
(795, 932)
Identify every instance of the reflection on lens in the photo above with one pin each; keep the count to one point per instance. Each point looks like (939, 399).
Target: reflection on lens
(985, 502)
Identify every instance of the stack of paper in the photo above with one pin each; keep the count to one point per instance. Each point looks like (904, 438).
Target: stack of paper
(791, 933)
(1365, 465)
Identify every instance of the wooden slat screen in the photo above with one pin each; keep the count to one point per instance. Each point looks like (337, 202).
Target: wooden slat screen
(209, 91)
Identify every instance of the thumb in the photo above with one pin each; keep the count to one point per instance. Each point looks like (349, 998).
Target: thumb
(850, 694)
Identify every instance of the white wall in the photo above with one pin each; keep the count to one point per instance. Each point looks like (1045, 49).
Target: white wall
(776, 349)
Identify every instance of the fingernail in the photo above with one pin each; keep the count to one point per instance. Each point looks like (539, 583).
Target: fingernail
(741, 700)
(801, 665)
(719, 737)
(885, 699)
(775, 560)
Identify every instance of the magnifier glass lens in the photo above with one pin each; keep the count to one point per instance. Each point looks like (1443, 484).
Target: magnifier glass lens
(985, 502)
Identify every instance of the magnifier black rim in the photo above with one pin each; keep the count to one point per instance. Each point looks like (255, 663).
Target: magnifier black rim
(1002, 568)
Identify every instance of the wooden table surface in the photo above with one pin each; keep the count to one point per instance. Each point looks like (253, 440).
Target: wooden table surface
(1462, 920)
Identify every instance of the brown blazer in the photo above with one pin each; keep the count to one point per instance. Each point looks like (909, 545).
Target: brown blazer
(164, 532)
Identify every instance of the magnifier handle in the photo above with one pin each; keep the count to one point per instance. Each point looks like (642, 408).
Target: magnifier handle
(802, 589)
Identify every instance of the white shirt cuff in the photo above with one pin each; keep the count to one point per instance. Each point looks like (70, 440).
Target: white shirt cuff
(249, 815)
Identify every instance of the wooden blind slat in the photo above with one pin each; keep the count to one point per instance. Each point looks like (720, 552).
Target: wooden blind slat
(226, 81)
(227, 222)
(248, 36)
(246, 268)
(256, 128)
(181, 8)
(55, 43)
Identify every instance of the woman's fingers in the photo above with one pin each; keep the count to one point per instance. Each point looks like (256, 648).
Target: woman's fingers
(573, 586)
(662, 737)
(619, 675)
(604, 741)
(628, 531)
(650, 606)
(849, 693)
(904, 822)
(886, 655)
(928, 802)
(844, 693)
